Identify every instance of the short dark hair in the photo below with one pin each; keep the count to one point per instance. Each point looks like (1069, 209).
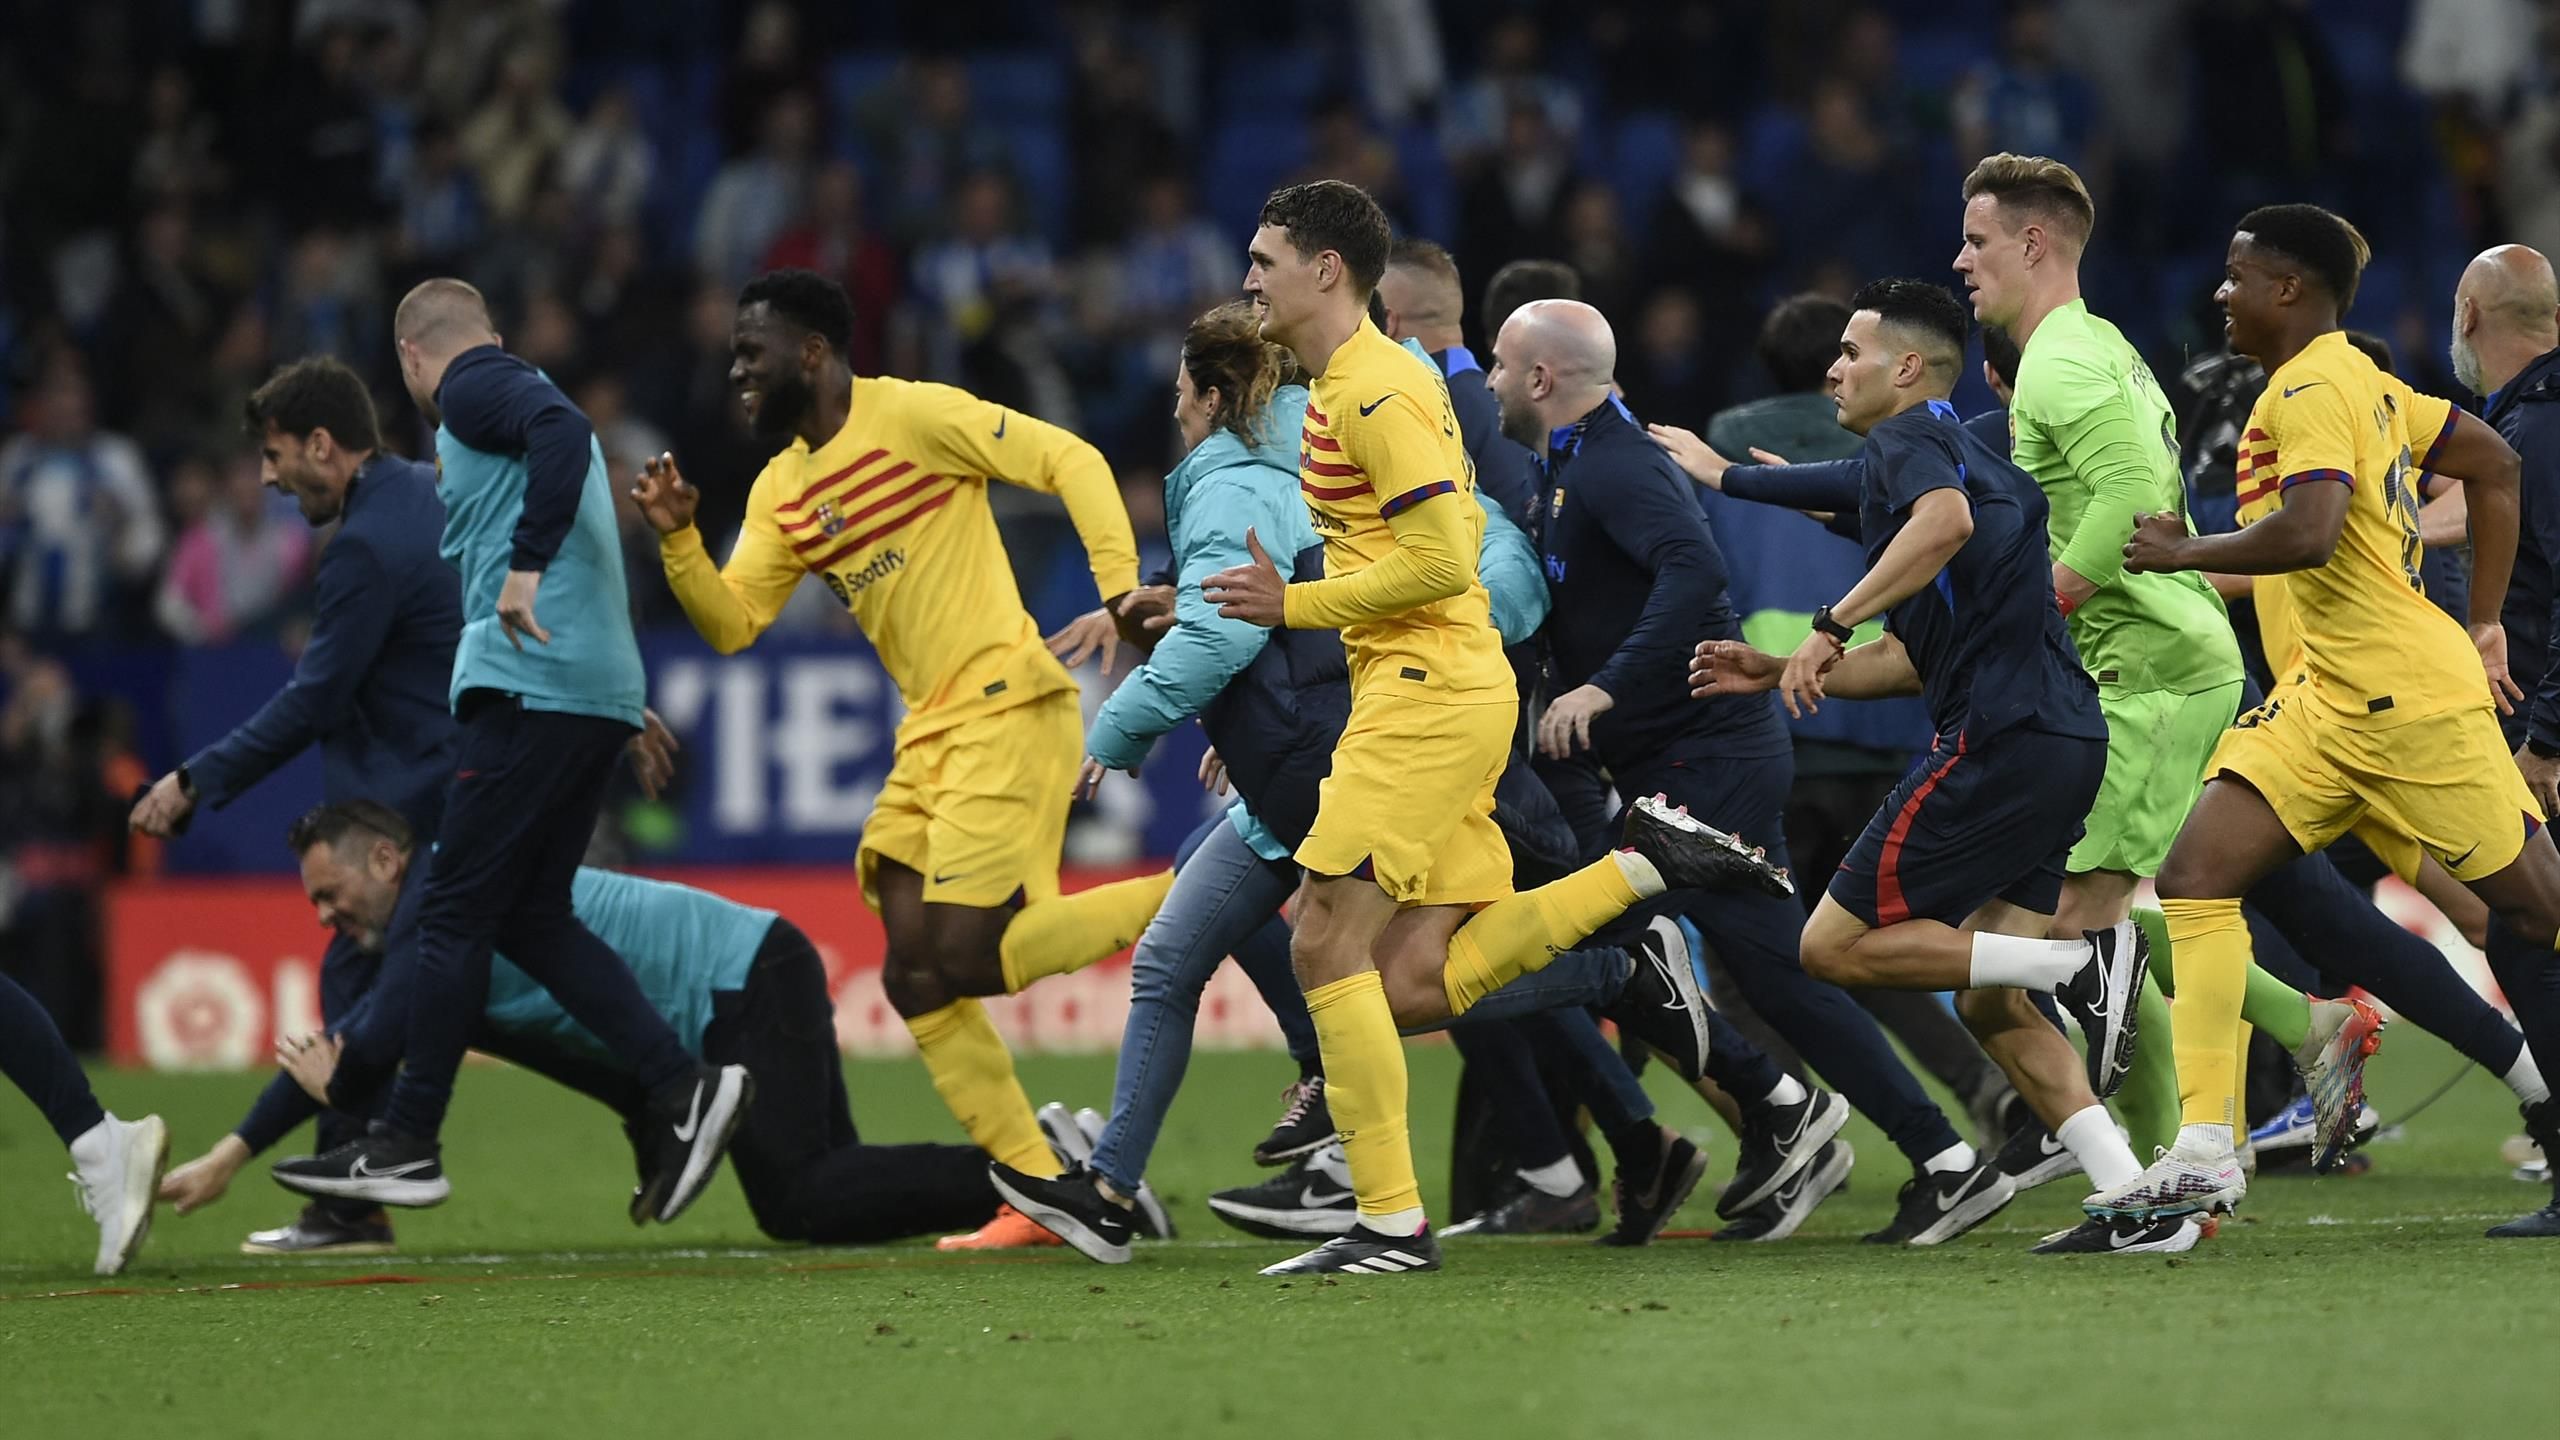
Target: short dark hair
(1522, 281)
(2001, 354)
(807, 299)
(1799, 340)
(2375, 348)
(2327, 248)
(1334, 215)
(1421, 254)
(1931, 310)
(339, 821)
(319, 393)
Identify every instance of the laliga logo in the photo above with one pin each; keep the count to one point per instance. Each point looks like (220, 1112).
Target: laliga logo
(200, 1010)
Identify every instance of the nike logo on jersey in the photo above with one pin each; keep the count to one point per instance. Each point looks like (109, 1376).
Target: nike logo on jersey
(692, 1118)
(2298, 389)
(947, 879)
(1001, 422)
(1372, 407)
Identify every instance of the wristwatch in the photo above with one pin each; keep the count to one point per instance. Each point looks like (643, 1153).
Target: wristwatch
(1823, 624)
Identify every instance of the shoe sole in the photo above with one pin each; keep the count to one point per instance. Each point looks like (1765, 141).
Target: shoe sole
(2359, 1037)
(144, 1164)
(407, 1194)
(1754, 872)
(2180, 1241)
(1819, 1128)
(729, 1101)
(1990, 1201)
(1284, 1224)
(1083, 1238)
(1292, 1267)
(1274, 1159)
(1677, 966)
(2218, 1202)
(352, 1247)
(1820, 1185)
(2111, 1055)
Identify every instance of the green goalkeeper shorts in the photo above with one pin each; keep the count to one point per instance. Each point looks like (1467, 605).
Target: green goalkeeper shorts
(2158, 743)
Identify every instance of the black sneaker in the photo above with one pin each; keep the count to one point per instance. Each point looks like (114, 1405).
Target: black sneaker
(1311, 1197)
(1073, 1208)
(317, 1232)
(1778, 1217)
(1154, 1221)
(1662, 1004)
(1778, 1141)
(2102, 998)
(1363, 1251)
(1936, 1206)
(1535, 1212)
(2032, 1157)
(2168, 1235)
(1694, 855)
(2542, 1122)
(690, 1123)
(1644, 1209)
(1305, 1127)
(380, 1165)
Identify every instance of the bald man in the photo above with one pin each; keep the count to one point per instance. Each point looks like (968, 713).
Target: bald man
(1638, 584)
(2506, 350)
(546, 691)
(1425, 301)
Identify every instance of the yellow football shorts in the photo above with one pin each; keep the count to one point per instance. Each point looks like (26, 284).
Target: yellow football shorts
(1410, 801)
(980, 809)
(2443, 785)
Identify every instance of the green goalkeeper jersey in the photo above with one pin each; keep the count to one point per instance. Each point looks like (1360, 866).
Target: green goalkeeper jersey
(2090, 424)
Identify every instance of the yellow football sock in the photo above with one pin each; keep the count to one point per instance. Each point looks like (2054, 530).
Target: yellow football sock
(2212, 944)
(1364, 1086)
(1065, 933)
(973, 1072)
(1521, 933)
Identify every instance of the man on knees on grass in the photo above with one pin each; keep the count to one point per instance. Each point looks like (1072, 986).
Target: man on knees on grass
(1954, 883)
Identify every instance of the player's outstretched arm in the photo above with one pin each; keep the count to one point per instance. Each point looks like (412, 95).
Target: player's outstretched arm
(1877, 670)
(729, 605)
(1827, 486)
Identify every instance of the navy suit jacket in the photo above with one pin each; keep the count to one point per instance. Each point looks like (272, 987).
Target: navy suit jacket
(370, 688)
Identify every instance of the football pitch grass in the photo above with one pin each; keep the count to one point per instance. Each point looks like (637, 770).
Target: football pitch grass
(528, 1305)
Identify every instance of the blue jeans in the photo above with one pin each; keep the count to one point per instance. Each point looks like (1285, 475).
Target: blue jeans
(1222, 894)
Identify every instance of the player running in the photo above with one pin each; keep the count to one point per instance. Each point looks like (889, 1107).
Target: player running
(1398, 918)
(882, 492)
(1955, 882)
(2381, 722)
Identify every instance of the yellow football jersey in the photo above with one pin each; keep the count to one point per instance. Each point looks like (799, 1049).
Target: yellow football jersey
(1379, 449)
(2376, 650)
(892, 512)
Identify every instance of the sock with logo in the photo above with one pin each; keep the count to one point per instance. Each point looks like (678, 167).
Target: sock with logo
(1065, 933)
(2090, 1135)
(1520, 933)
(2148, 1100)
(2212, 943)
(973, 1072)
(1364, 1087)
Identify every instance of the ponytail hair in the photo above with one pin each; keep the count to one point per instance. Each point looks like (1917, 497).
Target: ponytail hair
(1224, 351)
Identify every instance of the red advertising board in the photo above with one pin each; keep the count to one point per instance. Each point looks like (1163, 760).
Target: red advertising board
(204, 974)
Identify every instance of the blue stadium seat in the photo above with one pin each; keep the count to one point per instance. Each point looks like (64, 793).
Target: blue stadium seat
(1936, 58)
(1011, 87)
(2381, 294)
(1271, 85)
(1045, 176)
(1248, 158)
(1431, 192)
(1644, 155)
(851, 80)
(1773, 141)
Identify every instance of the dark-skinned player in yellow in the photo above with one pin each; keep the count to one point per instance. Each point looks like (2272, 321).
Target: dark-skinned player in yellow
(882, 493)
(1406, 914)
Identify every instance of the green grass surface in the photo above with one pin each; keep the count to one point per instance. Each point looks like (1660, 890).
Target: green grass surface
(527, 1305)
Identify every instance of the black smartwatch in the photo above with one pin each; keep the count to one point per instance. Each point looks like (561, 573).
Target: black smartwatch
(1823, 624)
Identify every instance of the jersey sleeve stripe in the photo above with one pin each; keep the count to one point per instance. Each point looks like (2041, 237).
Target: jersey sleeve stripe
(1320, 442)
(2436, 446)
(865, 463)
(1334, 492)
(2253, 493)
(1416, 496)
(855, 545)
(1329, 471)
(2304, 477)
(816, 543)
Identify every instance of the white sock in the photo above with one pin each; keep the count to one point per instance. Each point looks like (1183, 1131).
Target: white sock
(1954, 1160)
(1400, 1223)
(2025, 964)
(1640, 873)
(2525, 1078)
(1788, 1091)
(2091, 1137)
(2198, 1141)
(1560, 1179)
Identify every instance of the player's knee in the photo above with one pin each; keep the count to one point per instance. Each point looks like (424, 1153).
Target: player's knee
(914, 988)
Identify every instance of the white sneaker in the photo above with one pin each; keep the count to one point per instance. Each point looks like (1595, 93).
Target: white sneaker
(2331, 1063)
(120, 1163)
(1066, 1140)
(2185, 1179)
(1154, 1221)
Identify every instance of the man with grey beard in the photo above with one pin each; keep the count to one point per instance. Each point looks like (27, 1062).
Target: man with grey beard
(2506, 350)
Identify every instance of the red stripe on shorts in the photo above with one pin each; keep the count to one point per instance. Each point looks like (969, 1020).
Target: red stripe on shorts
(1890, 907)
